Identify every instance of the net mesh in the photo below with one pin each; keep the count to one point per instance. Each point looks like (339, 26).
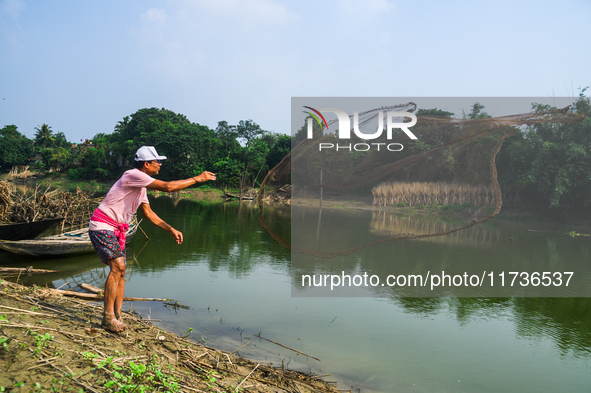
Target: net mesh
(452, 161)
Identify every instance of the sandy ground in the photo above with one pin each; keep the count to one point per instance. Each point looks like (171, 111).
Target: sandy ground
(52, 343)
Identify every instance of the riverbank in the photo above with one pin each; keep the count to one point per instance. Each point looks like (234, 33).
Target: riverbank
(509, 212)
(52, 343)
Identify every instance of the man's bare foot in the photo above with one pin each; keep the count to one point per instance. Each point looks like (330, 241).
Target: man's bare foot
(112, 324)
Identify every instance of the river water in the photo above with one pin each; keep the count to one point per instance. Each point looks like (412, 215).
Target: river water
(237, 283)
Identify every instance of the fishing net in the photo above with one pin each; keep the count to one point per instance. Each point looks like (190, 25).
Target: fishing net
(389, 156)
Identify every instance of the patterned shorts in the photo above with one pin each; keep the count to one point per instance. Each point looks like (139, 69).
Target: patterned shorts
(106, 245)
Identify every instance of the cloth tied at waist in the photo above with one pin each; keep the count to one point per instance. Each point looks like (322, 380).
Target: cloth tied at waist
(120, 229)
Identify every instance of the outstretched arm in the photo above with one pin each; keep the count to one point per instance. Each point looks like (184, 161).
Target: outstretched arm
(176, 185)
(154, 219)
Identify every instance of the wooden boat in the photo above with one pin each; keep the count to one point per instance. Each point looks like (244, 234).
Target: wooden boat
(26, 230)
(69, 243)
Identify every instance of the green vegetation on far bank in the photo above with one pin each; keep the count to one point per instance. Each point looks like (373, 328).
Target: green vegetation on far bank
(545, 166)
(240, 155)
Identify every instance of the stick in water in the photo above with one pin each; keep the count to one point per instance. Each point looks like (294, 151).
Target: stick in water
(295, 350)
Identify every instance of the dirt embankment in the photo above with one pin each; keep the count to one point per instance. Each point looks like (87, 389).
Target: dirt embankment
(52, 343)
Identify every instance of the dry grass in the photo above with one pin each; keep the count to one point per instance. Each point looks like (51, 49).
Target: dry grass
(423, 193)
(20, 172)
(41, 203)
(55, 344)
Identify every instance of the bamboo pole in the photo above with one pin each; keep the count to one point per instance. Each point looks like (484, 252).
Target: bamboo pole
(26, 270)
(96, 296)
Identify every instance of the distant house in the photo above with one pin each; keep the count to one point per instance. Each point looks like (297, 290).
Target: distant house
(83, 145)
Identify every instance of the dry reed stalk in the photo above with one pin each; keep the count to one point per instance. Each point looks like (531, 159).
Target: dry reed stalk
(42, 204)
(415, 193)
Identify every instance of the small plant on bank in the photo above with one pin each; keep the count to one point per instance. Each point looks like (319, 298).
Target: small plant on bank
(4, 343)
(134, 377)
(89, 355)
(109, 363)
(210, 378)
(187, 332)
(41, 340)
(160, 377)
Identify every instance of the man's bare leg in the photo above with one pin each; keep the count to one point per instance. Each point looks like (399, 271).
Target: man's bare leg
(114, 289)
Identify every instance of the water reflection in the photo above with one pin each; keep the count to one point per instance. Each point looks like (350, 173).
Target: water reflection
(218, 234)
(388, 224)
(76, 269)
(69, 269)
(567, 321)
(236, 280)
(477, 261)
(221, 235)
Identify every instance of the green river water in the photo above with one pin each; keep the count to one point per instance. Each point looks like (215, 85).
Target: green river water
(237, 282)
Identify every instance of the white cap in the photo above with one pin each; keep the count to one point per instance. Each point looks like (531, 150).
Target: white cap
(148, 153)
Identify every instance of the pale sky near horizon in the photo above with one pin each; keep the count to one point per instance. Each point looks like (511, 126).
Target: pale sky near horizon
(81, 67)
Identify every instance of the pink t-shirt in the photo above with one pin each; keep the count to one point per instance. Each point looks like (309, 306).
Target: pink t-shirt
(123, 199)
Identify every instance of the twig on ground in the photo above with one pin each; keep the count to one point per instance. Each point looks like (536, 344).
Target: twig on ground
(240, 384)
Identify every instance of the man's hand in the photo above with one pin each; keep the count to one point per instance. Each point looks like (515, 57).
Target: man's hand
(205, 176)
(176, 235)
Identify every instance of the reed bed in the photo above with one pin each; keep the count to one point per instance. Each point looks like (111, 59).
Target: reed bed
(432, 193)
(23, 174)
(41, 203)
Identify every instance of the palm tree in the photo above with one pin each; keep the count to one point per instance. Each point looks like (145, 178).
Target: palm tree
(44, 135)
(120, 126)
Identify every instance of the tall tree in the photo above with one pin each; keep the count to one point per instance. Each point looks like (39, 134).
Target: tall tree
(15, 148)
(279, 146)
(61, 141)
(44, 135)
(551, 163)
(477, 112)
(248, 130)
(227, 135)
(188, 146)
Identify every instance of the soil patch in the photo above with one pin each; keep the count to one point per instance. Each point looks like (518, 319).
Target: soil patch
(52, 343)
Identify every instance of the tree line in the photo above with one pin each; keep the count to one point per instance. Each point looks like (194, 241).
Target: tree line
(550, 164)
(239, 154)
(546, 164)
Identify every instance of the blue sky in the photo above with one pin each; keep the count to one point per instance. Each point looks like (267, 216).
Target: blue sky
(82, 66)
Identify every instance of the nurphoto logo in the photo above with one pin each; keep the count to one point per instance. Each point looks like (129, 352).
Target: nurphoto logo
(394, 120)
